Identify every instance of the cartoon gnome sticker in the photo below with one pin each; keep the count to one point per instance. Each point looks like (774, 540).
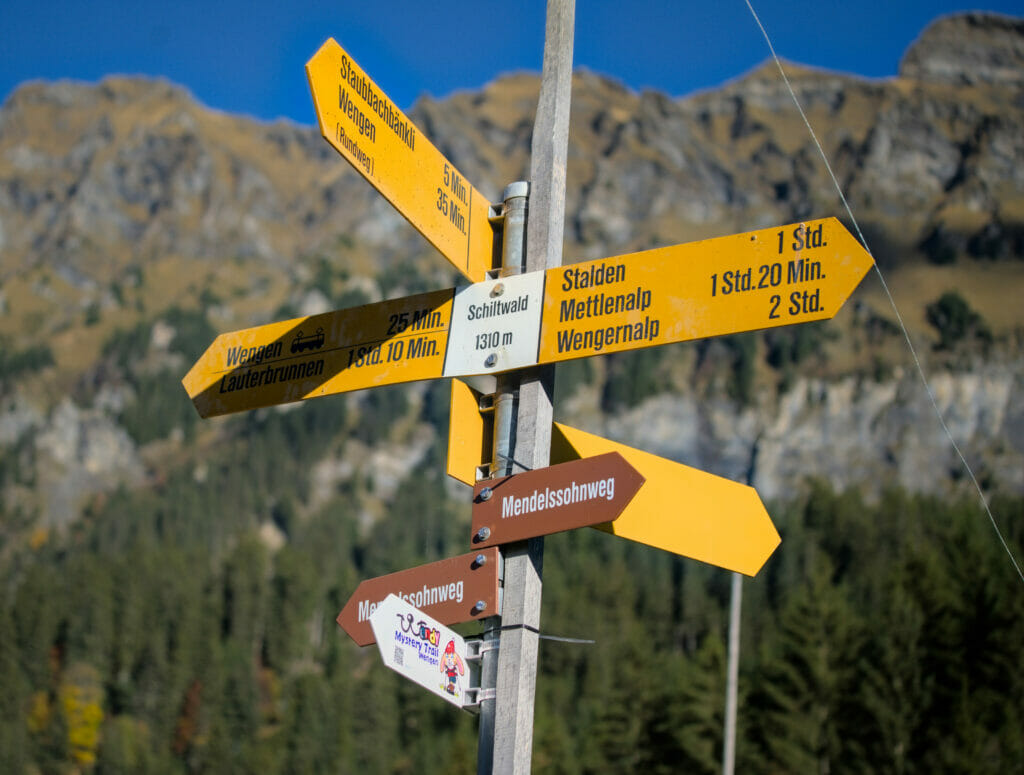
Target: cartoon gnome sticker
(452, 667)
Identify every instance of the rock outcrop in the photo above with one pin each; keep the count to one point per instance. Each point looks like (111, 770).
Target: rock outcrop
(969, 50)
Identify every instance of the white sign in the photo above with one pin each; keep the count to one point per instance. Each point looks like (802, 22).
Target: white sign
(495, 325)
(423, 650)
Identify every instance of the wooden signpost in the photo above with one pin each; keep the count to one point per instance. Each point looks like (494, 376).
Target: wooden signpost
(521, 313)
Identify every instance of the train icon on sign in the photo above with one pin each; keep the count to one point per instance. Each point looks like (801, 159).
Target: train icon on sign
(312, 342)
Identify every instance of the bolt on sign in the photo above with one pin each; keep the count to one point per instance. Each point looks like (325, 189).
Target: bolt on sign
(362, 124)
(458, 589)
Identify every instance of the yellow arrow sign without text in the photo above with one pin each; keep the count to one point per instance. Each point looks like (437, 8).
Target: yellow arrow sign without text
(681, 509)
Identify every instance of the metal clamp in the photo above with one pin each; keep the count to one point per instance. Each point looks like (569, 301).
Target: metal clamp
(482, 695)
(481, 647)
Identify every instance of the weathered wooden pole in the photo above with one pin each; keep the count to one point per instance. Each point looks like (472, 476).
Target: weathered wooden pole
(732, 677)
(530, 393)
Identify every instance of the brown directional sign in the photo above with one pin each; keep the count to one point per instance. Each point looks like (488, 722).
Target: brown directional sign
(449, 590)
(549, 500)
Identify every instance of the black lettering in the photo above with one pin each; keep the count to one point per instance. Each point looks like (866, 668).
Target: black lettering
(571, 340)
(798, 238)
(422, 347)
(795, 271)
(243, 356)
(567, 310)
(270, 375)
(576, 279)
(794, 303)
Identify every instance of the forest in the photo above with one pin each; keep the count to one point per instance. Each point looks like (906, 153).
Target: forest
(161, 633)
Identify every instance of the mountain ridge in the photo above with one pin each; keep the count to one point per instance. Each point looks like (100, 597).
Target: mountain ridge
(135, 220)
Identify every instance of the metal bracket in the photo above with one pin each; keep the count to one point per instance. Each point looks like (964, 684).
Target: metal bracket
(481, 695)
(481, 647)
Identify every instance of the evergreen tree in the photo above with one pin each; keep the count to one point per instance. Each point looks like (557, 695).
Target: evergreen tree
(310, 734)
(800, 702)
(14, 702)
(687, 707)
(894, 690)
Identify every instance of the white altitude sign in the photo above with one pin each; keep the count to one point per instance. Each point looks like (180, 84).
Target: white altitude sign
(495, 325)
(423, 650)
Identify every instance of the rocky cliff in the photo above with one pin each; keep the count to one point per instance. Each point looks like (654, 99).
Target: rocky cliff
(135, 223)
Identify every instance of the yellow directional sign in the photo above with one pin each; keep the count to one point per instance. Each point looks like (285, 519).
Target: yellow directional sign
(487, 327)
(680, 509)
(760, 279)
(387, 149)
(400, 340)
(700, 289)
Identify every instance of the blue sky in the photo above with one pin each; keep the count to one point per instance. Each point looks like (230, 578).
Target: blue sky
(248, 57)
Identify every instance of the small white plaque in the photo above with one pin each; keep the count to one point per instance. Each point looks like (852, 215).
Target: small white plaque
(423, 650)
(495, 326)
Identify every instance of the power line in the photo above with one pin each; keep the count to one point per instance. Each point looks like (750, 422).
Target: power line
(885, 287)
